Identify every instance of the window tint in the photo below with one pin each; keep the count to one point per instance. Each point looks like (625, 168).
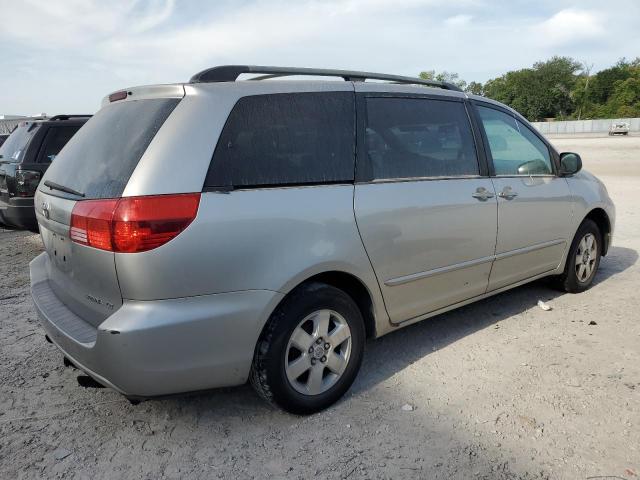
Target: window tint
(13, 149)
(101, 157)
(515, 149)
(286, 139)
(55, 139)
(409, 138)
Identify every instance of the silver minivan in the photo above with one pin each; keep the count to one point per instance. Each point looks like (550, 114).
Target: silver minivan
(198, 235)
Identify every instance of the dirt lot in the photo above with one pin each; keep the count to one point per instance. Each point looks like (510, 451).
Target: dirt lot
(500, 389)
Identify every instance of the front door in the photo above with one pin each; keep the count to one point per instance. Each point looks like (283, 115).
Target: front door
(534, 204)
(426, 213)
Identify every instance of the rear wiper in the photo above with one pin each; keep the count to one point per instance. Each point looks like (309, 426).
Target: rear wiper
(62, 188)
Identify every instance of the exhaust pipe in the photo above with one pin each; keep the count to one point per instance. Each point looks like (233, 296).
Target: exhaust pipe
(68, 363)
(86, 381)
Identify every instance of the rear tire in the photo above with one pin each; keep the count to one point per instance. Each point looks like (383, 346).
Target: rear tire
(310, 351)
(583, 259)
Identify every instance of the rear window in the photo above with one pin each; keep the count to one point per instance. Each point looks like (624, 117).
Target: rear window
(13, 149)
(99, 160)
(286, 139)
(418, 138)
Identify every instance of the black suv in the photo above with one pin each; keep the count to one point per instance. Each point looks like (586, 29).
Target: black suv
(24, 157)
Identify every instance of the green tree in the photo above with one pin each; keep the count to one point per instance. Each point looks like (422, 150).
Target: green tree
(475, 88)
(612, 92)
(603, 81)
(538, 92)
(557, 77)
(561, 88)
(625, 98)
(450, 77)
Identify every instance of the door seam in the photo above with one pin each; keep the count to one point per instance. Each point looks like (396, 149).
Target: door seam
(364, 247)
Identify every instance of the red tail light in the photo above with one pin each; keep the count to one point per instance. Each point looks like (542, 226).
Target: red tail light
(132, 224)
(91, 223)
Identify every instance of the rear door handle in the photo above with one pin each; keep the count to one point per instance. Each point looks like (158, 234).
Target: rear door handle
(507, 194)
(482, 194)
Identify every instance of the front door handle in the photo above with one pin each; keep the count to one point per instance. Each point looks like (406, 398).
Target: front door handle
(482, 194)
(507, 193)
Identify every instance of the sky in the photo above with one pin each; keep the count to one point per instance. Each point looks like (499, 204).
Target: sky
(64, 56)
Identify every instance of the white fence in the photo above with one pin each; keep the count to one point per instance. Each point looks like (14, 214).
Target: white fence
(584, 126)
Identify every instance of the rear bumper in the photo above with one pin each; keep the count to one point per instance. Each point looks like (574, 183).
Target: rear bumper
(161, 347)
(18, 212)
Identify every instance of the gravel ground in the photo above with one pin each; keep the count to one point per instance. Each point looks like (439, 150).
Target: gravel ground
(496, 390)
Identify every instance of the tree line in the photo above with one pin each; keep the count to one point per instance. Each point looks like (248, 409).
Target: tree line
(561, 88)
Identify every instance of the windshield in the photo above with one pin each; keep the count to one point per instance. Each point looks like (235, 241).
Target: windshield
(99, 160)
(12, 150)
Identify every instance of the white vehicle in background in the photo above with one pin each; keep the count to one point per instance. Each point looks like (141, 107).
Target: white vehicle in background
(621, 128)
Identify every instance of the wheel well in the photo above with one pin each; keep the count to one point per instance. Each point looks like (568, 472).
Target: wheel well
(353, 287)
(600, 217)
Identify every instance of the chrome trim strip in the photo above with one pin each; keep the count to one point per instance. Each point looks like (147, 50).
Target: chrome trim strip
(538, 246)
(437, 271)
(420, 179)
(526, 175)
(471, 263)
(488, 294)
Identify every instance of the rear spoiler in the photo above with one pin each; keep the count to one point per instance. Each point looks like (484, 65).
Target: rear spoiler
(145, 92)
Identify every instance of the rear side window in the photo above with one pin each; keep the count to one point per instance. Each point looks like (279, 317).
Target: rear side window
(286, 139)
(414, 138)
(14, 147)
(54, 140)
(99, 160)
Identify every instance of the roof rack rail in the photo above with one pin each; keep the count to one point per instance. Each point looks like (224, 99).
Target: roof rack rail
(67, 117)
(230, 73)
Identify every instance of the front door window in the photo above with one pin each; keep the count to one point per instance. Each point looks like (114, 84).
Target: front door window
(515, 149)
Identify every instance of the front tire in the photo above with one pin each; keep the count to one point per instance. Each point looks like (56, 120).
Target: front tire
(310, 351)
(583, 259)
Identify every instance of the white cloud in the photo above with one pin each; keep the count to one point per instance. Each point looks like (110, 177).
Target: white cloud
(156, 14)
(458, 20)
(91, 47)
(570, 26)
(50, 24)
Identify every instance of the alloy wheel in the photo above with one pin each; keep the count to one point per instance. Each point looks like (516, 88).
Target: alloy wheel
(586, 256)
(318, 352)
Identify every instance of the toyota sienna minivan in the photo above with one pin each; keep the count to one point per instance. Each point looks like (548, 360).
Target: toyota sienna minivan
(203, 234)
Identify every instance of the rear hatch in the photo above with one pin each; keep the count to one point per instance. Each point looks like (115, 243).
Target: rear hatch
(11, 154)
(95, 166)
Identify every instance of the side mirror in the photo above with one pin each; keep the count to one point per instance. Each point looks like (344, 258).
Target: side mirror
(570, 163)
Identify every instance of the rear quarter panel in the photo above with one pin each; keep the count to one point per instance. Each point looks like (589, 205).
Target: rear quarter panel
(257, 239)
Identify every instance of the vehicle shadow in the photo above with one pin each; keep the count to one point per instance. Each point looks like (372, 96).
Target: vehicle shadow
(618, 259)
